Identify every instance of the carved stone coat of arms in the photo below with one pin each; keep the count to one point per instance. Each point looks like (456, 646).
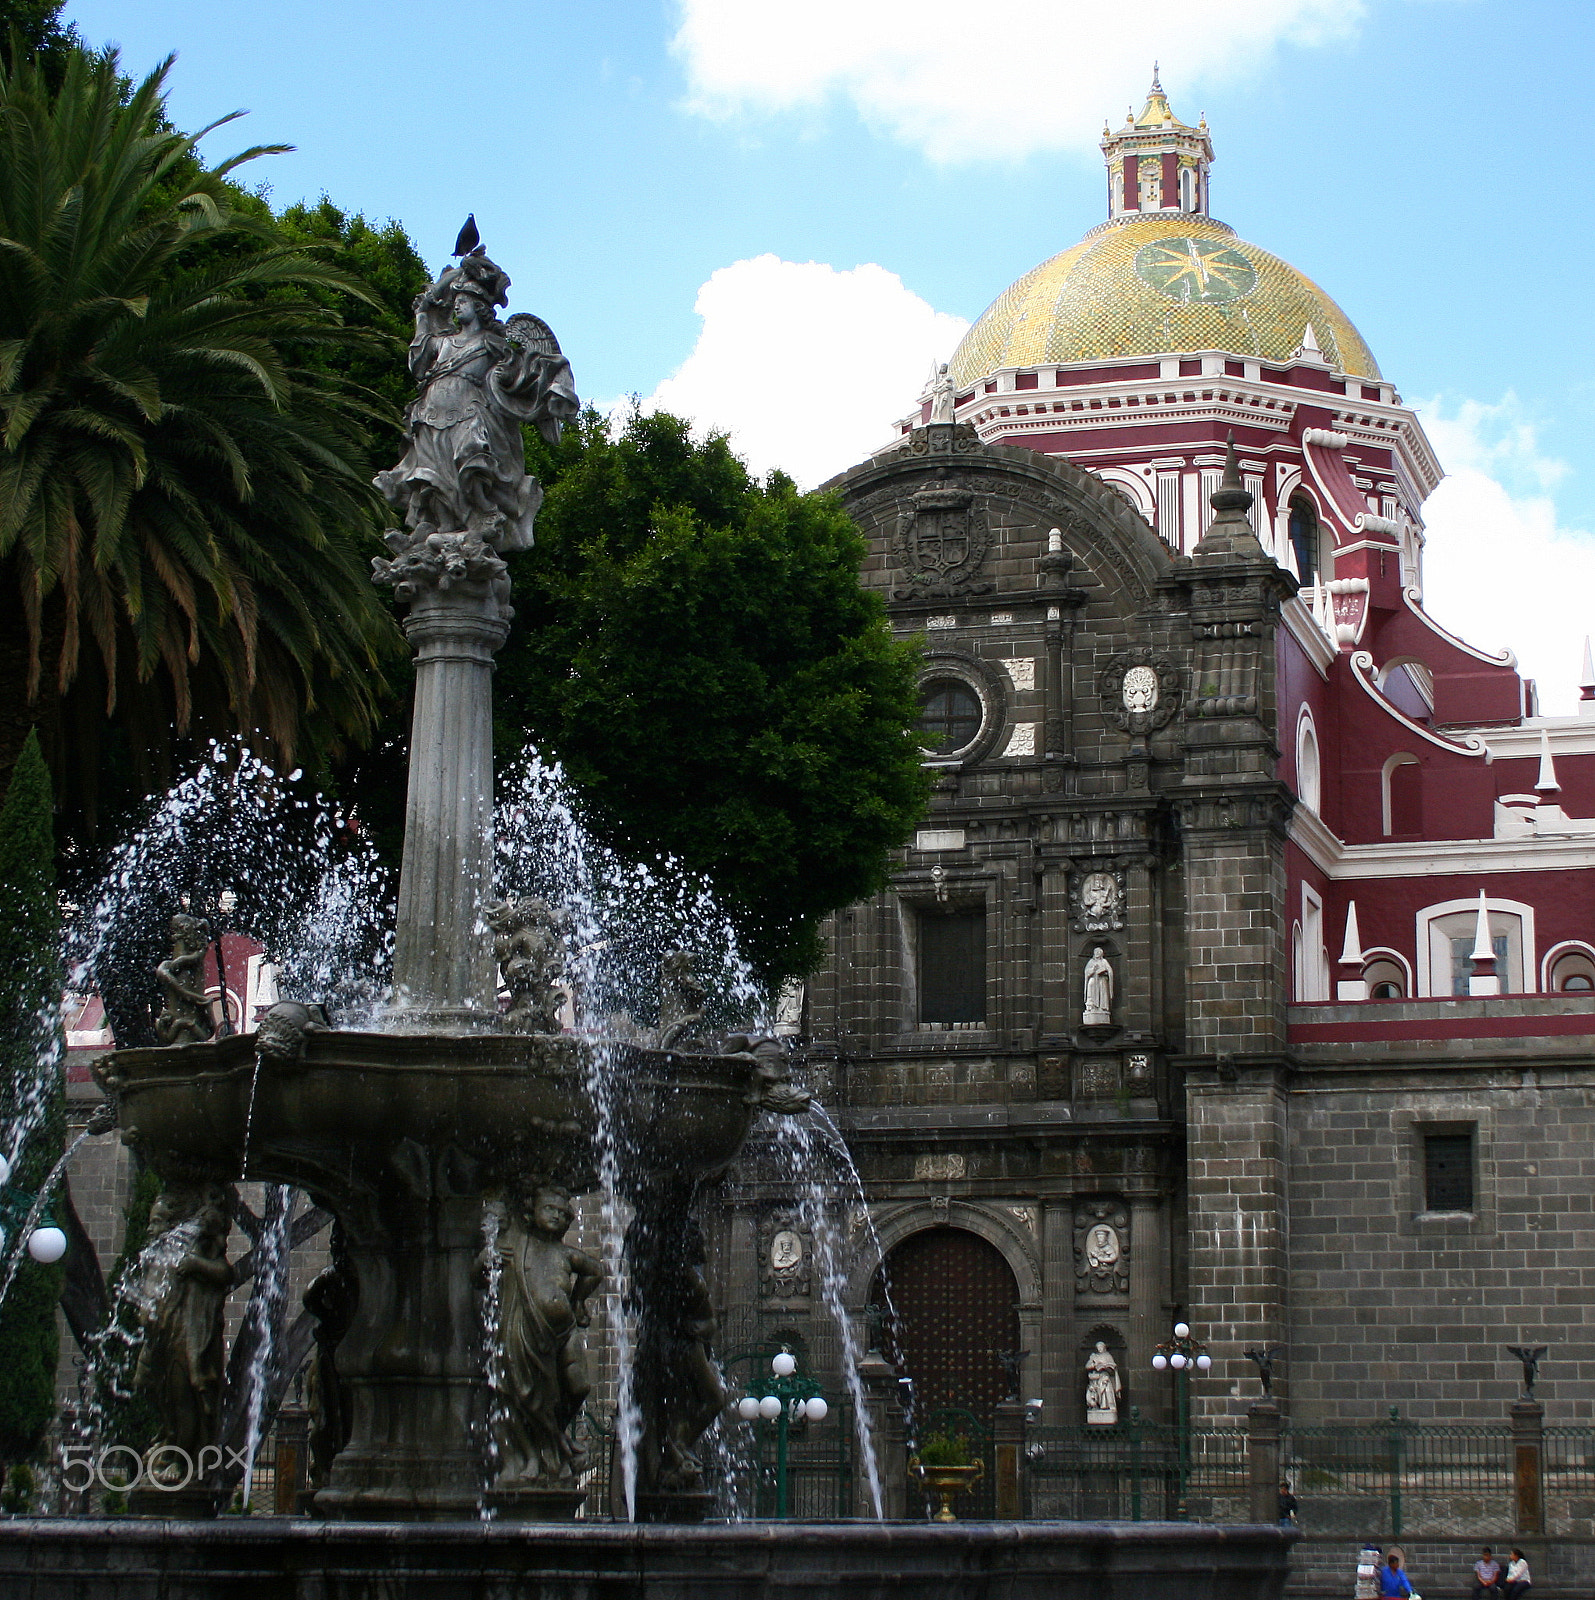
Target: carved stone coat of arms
(940, 545)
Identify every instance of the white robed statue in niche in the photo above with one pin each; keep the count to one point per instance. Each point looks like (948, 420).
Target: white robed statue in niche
(1098, 990)
(1103, 1387)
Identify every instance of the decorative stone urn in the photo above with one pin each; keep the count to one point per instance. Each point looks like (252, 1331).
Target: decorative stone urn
(945, 1482)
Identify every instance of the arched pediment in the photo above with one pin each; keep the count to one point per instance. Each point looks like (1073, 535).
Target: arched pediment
(949, 519)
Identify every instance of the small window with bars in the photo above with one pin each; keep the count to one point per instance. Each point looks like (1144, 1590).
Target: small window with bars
(1448, 1171)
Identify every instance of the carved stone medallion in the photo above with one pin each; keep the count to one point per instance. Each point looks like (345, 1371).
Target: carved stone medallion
(784, 1265)
(1138, 692)
(941, 542)
(1097, 899)
(1101, 1247)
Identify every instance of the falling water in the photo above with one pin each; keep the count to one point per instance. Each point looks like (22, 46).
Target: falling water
(622, 919)
(492, 1312)
(293, 871)
(19, 1246)
(263, 1315)
(820, 1169)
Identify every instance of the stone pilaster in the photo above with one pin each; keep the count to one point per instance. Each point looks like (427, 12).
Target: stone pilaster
(1236, 1188)
(1147, 1251)
(1056, 1365)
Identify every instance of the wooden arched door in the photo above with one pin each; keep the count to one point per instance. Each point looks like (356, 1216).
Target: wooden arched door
(957, 1306)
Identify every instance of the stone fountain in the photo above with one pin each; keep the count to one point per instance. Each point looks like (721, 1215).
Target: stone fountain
(457, 1111)
(447, 1146)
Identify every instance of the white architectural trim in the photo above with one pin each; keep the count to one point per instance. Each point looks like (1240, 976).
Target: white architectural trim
(1551, 956)
(1507, 908)
(1124, 478)
(1435, 858)
(1309, 762)
(1304, 629)
(1312, 981)
(1362, 665)
(1383, 952)
(1411, 598)
(1570, 736)
(1402, 758)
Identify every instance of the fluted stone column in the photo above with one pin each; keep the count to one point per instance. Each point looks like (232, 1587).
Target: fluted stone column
(443, 969)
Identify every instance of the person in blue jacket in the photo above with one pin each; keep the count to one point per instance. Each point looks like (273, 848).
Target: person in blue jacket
(1392, 1580)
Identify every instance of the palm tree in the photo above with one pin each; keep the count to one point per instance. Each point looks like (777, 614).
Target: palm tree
(184, 489)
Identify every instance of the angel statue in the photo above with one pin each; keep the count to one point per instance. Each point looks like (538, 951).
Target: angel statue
(464, 472)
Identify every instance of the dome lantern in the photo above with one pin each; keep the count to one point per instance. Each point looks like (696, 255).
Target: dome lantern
(1156, 162)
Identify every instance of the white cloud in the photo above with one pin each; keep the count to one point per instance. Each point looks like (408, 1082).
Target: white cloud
(805, 366)
(1500, 569)
(960, 83)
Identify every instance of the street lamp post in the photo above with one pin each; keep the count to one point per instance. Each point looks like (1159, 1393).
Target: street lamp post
(1182, 1355)
(789, 1397)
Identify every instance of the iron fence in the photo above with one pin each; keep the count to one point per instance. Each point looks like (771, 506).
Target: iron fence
(1396, 1477)
(1135, 1471)
(1569, 1480)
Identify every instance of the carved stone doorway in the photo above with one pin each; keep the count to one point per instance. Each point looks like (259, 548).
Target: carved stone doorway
(957, 1308)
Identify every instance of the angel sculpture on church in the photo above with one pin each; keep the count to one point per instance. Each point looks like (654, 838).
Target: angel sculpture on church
(465, 469)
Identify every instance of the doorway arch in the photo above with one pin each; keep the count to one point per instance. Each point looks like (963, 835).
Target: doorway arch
(957, 1304)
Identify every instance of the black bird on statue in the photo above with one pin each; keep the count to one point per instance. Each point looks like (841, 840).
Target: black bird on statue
(469, 238)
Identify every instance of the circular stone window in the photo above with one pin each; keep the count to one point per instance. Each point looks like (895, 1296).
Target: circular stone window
(950, 715)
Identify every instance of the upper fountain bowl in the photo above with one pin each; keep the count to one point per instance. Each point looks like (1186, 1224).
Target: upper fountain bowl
(509, 1104)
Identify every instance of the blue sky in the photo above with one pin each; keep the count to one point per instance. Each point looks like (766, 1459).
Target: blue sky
(1426, 161)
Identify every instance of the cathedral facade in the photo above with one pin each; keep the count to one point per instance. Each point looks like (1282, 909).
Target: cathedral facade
(1243, 972)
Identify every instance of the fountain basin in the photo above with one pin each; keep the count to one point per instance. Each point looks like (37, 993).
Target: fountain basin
(405, 1138)
(286, 1559)
(495, 1098)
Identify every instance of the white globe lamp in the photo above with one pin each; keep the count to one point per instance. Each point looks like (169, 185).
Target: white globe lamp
(818, 1409)
(769, 1408)
(47, 1245)
(784, 1365)
(747, 1408)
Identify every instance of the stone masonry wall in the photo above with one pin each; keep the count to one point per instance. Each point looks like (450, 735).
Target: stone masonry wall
(1394, 1306)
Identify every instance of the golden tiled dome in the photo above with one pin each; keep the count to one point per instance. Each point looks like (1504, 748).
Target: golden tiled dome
(1157, 285)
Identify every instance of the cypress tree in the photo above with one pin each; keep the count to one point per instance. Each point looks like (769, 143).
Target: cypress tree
(32, 1094)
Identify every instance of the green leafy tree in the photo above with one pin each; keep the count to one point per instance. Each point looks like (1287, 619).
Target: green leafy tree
(32, 1111)
(37, 27)
(387, 266)
(697, 650)
(185, 502)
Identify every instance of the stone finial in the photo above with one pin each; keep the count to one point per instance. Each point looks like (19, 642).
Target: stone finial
(1485, 980)
(1545, 785)
(1230, 533)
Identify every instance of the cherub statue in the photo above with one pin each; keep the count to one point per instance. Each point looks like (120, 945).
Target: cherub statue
(332, 1298)
(681, 998)
(679, 1385)
(182, 1294)
(530, 951)
(479, 380)
(541, 1374)
(185, 1018)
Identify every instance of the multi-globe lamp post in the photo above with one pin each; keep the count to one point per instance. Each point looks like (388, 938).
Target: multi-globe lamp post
(1182, 1355)
(789, 1398)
